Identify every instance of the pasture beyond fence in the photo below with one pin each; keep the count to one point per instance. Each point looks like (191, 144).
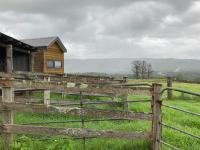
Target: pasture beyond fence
(170, 89)
(11, 102)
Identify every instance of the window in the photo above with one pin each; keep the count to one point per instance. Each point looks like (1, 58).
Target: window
(57, 64)
(54, 64)
(50, 64)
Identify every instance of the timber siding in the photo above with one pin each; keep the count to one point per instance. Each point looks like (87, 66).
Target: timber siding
(53, 53)
(50, 51)
(38, 61)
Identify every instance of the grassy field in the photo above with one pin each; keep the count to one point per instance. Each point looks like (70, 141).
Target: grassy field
(181, 120)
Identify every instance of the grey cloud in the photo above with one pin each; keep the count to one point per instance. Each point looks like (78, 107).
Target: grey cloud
(136, 19)
(109, 28)
(179, 5)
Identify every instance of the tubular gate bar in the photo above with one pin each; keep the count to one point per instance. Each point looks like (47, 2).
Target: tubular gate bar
(181, 110)
(184, 132)
(181, 90)
(169, 145)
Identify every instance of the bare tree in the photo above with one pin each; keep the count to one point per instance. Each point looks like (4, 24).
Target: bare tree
(141, 69)
(136, 68)
(149, 70)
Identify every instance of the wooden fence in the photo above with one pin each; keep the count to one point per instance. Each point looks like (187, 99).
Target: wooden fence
(74, 78)
(10, 103)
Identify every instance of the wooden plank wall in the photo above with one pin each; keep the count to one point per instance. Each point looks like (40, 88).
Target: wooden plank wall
(54, 53)
(38, 61)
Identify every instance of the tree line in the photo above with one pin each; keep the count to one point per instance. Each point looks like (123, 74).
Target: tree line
(141, 69)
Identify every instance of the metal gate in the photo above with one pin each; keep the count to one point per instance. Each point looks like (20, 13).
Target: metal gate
(169, 126)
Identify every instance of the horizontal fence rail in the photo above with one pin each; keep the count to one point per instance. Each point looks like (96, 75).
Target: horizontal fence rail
(132, 85)
(72, 103)
(74, 111)
(73, 132)
(181, 110)
(75, 121)
(181, 90)
(169, 145)
(94, 79)
(101, 91)
(184, 132)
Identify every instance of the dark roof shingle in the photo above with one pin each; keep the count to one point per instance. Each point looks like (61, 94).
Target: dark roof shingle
(44, 42)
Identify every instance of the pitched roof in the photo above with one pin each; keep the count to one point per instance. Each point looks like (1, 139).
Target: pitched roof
(45, 42)
(5, 39)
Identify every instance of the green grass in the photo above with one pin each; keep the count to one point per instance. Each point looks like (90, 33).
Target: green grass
(180, 120)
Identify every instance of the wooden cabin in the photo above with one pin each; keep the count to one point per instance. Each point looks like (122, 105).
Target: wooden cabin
(14, 54)
(50, 55)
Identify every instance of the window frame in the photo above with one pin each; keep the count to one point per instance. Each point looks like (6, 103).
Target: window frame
(60, 64)
(54, 64)
(48, 66)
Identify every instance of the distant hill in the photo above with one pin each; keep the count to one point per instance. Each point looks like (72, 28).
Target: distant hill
(122, 65)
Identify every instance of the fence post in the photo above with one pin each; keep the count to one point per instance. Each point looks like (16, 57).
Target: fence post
(125, 79)
(169, 92)
(7, 97)
(125, 98)
(47, 97)
(157, 117)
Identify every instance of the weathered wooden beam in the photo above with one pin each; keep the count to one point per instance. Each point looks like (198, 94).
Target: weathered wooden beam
(21, 50)
(73, 132)
(3, 45)
(46, 97)
(107, 91)
(28, 90)
(9, 58)
(62, 88)
(71, 102)
(41, 108)
(124, 99)
(157, 117)
(8, 97)
(22, 99)
(60, 78)
(67, 102)
(88, 94)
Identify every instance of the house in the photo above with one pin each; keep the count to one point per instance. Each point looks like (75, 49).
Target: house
(15, 55)
(50, 55)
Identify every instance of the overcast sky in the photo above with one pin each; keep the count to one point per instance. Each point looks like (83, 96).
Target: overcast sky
(109, 28)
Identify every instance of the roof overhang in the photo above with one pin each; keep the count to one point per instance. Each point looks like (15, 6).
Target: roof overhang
(6, 40)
